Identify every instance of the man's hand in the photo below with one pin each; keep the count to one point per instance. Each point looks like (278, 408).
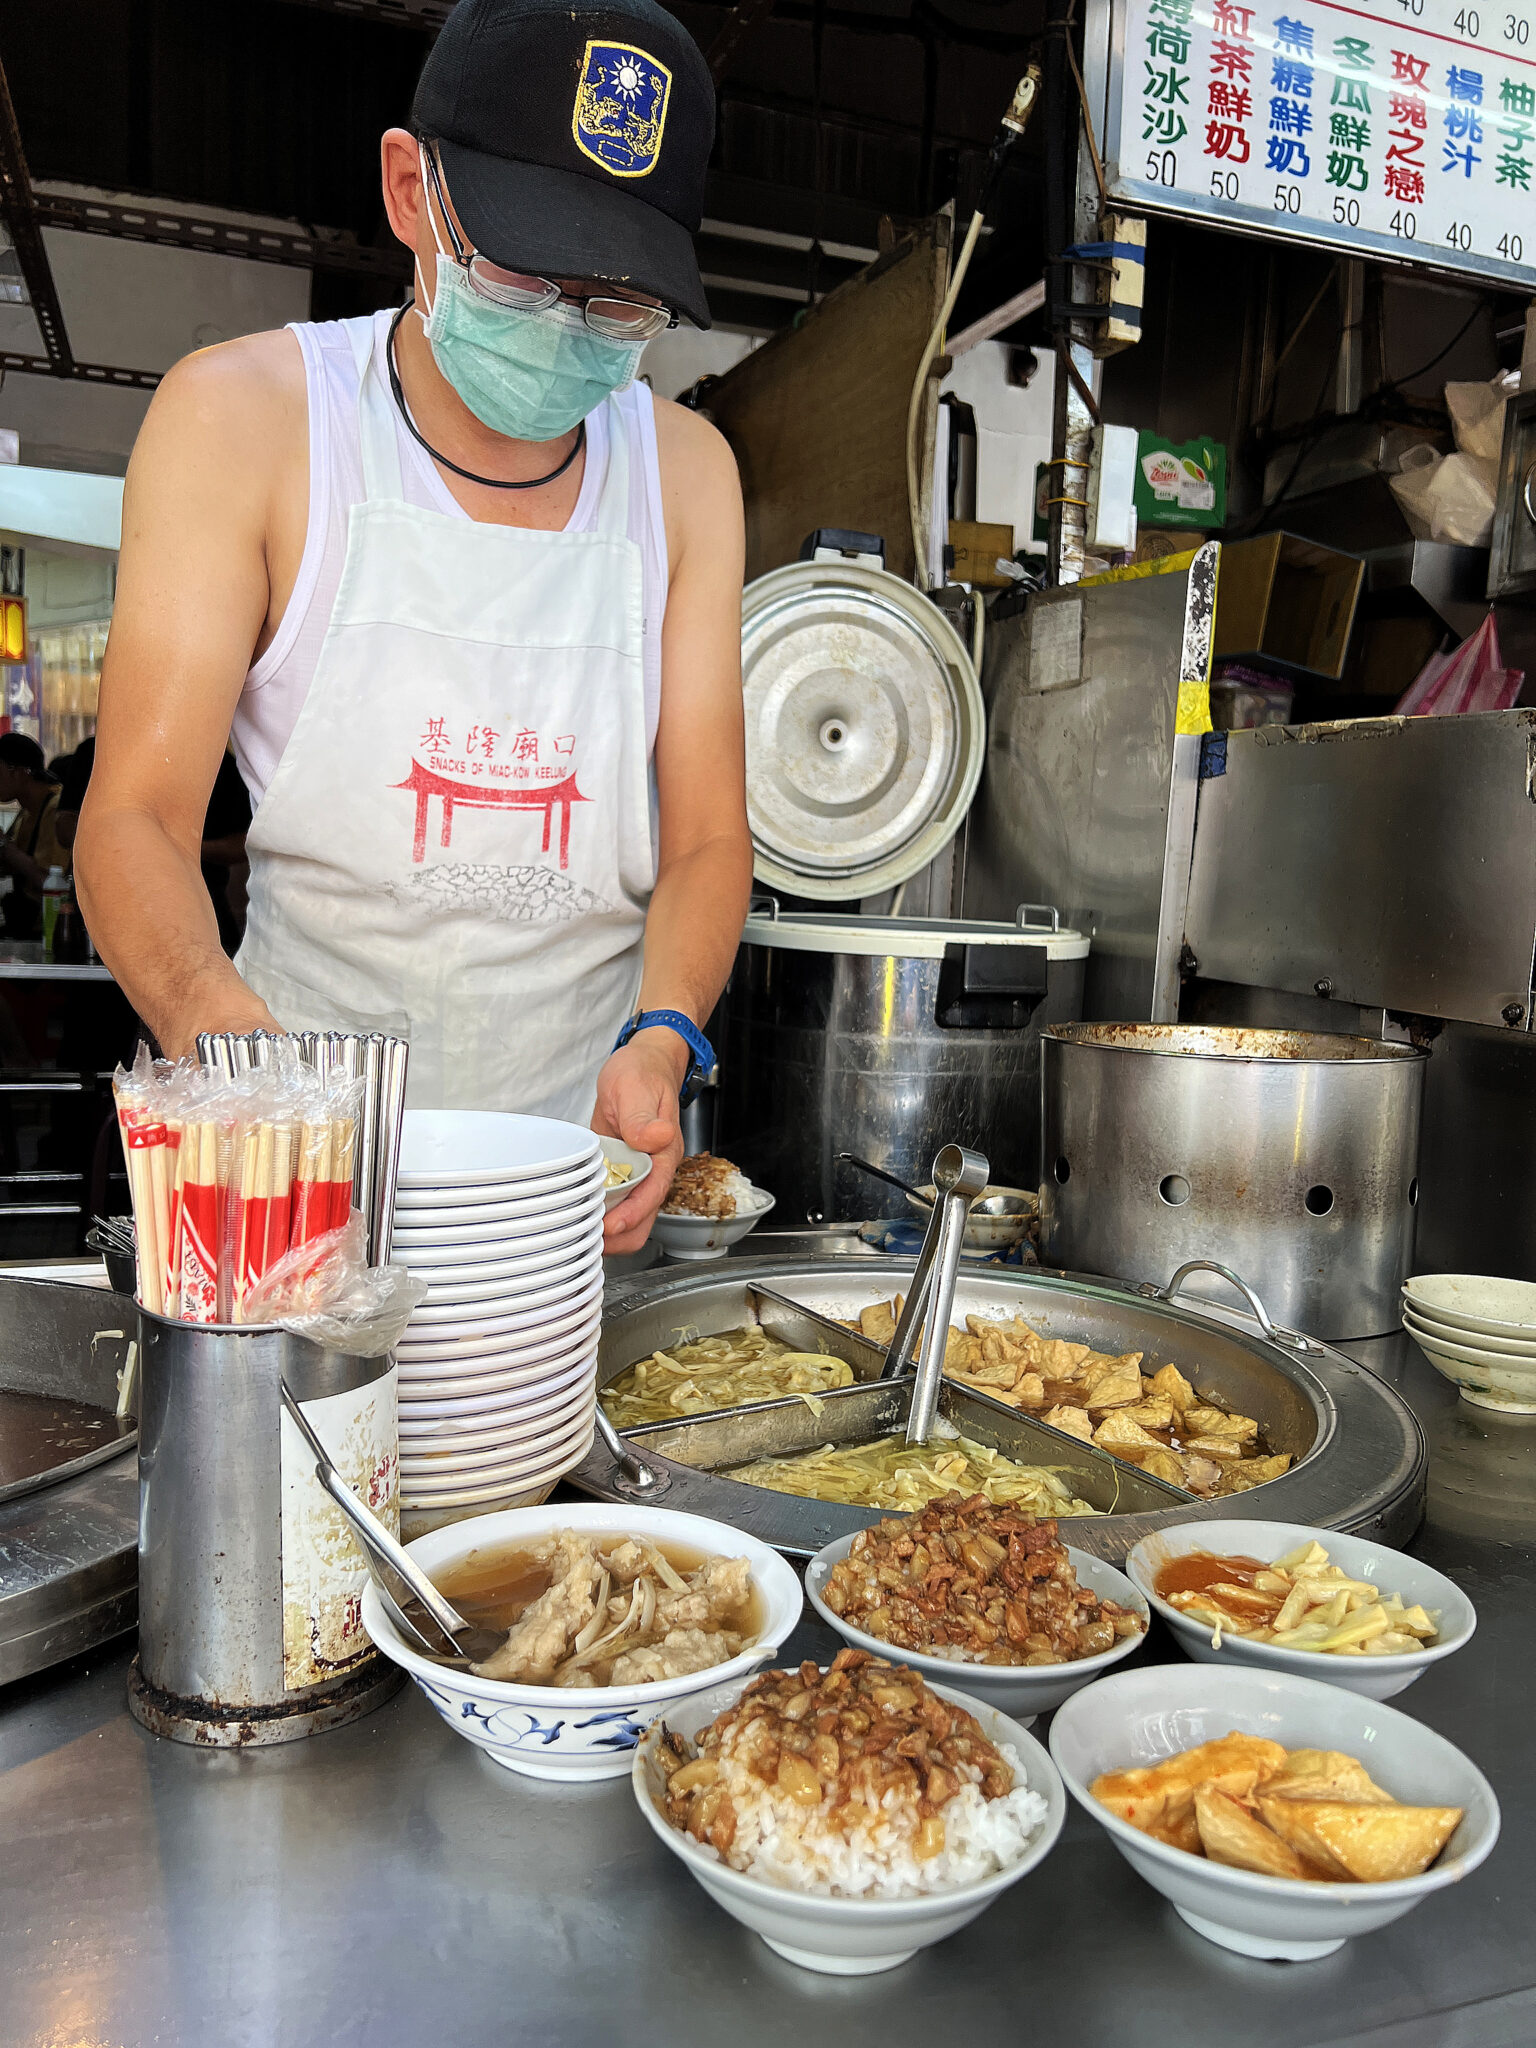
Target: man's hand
(637, 1100)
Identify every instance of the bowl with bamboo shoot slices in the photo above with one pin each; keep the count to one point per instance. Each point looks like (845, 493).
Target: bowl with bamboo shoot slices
(612, 1614)
(1312, 1602)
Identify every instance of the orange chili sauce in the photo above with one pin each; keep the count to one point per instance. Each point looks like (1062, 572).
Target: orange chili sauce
(1198, 1571)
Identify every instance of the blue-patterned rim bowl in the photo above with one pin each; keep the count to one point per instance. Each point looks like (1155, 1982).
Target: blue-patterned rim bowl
(582, 1735)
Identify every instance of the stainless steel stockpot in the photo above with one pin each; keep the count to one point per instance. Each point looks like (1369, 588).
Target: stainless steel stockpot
(1360, 1459)
(889, 1037)
(1289, 1155)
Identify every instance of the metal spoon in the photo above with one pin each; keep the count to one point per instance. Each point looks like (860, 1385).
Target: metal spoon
(413, 1598)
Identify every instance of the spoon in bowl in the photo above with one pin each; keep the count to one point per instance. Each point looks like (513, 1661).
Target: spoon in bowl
(414, 1603)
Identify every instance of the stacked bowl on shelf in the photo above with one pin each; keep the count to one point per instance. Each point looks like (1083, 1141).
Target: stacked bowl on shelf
(502, 1216)
(1479, 1331)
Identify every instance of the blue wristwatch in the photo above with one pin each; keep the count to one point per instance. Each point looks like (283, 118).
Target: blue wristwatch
(703, 1067)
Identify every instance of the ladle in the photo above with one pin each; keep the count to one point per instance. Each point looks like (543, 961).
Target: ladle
(447, 1633)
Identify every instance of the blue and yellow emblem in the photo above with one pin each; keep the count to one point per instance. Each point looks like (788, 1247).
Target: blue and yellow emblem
(621, 108)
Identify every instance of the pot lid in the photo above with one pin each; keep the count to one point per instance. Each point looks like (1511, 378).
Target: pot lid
(904, 938)
(865, 728)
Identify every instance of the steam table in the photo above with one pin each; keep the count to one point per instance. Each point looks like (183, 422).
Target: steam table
(386, 1884)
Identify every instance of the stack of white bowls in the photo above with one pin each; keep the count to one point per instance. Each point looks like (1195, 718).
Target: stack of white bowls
(1480, 1332)
(502, 1216)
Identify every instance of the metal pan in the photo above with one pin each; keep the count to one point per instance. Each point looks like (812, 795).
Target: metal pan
(1360, 1458)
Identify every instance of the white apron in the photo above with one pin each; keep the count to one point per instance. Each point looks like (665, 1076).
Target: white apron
(455, 845)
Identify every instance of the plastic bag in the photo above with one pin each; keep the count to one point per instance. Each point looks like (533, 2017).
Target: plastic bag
(228, 1173)
(1472, 677)
(1447, 497)
(1477, 414)
(327, 1291)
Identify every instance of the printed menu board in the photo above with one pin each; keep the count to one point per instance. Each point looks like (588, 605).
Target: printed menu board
(1401, 128)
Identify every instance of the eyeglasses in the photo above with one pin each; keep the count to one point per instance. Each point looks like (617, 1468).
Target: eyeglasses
(518, 291)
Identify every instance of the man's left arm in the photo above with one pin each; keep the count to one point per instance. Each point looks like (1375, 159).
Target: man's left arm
(704, 865)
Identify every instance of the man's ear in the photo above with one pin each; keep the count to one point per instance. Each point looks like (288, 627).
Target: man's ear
(404, 198)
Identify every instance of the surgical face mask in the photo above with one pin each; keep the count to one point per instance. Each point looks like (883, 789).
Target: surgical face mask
(529, 375)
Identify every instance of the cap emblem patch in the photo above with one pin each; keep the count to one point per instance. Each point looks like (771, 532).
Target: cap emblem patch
(621, 108)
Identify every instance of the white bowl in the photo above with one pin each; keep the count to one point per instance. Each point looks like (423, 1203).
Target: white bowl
(1141, 1717)
(1377, 1678)
(1479, 1303)
(424, 1387)
(438, 1420)
(1014, 1689)
(421, 1521)
(481, 1338)
(488, 1495)
(462, 1244)
(577, 1736)
(510, 1295)
(556, 1330)
(1487, 1379)
(620, 1154)
(441, 1419)
(519, 1435)
(445, 1467)
(460, 1148)
(1475, 1341)
(427, 1205)
(497, 1492)
(707, 1237)
(534, 1319)
(510, 1307)
(457, 1265)
(844, 1937)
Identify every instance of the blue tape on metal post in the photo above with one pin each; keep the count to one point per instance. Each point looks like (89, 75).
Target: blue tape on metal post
(1213, 755)
(1086, 252)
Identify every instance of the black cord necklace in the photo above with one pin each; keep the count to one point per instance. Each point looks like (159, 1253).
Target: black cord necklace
(494, 483)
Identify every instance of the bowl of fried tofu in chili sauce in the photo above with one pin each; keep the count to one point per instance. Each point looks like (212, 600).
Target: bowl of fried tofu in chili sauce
(983, 1597)
(1272, 1812)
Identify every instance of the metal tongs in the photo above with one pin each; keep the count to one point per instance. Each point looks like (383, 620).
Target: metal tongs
(959, 1176)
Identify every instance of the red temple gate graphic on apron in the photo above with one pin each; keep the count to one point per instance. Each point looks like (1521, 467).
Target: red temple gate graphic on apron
(428, 782)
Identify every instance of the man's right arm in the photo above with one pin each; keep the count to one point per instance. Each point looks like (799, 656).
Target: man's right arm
(193, 596)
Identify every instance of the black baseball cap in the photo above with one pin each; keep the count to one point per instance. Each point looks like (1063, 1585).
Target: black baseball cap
(574, 137)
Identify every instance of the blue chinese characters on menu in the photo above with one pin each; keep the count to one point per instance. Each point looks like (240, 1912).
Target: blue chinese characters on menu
(1322, 110)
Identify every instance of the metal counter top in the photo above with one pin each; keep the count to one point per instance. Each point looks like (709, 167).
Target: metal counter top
(387, 1884)
(24, 960)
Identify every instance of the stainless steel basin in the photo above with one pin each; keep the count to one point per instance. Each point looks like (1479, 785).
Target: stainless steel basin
(1358, 1451)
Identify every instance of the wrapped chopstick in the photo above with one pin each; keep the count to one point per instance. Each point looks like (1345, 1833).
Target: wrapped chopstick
(232, 1171)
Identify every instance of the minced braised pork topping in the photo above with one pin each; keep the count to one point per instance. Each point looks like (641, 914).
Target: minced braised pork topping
(860, 1731)
(967, 1579)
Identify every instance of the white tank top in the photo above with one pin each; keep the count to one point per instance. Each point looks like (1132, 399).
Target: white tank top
(275, 688)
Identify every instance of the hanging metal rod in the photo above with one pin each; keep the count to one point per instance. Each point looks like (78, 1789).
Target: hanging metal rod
(85, 373)
(148, 221)
(16, 204)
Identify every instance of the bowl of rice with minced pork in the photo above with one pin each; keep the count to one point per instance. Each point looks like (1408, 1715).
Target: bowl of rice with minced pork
(849, 1816)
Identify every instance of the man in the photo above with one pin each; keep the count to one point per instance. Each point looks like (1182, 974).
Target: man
(471, 604)
(31, 844)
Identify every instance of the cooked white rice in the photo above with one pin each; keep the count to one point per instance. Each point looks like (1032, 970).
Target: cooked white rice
(799, 1848)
